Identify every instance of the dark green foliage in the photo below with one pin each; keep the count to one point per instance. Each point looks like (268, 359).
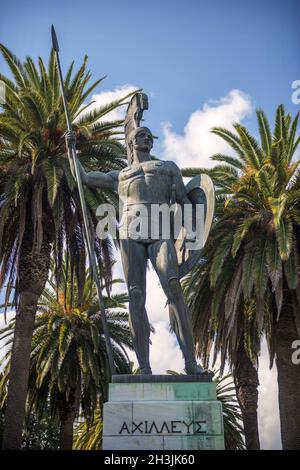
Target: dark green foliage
(252, 251)
(35, 178)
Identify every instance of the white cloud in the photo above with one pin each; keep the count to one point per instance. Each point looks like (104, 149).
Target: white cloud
(268, 409)
(165, 353)
(197, 144)
(106, 97)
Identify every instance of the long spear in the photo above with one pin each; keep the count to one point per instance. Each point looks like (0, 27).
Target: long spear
(90, 243)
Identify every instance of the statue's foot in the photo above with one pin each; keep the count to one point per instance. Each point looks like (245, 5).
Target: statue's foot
(192, 368)
(145, 371)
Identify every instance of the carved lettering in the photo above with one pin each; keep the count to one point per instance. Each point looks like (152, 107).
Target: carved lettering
(169, 427)
(137, 426)
(199, 429)
(124, 428)
(173, 427)
(153, 425)
(164, 426)
(188, 426)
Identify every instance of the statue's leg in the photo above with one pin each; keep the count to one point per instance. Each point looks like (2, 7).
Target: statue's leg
(164, 259)
(134, 261)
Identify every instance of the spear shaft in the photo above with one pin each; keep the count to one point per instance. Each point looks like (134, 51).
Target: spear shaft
(90, 244)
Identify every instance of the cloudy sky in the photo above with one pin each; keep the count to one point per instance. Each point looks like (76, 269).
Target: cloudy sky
(202, 64)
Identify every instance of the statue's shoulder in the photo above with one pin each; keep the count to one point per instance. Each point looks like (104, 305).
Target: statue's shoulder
(130, 171)
(165, 166)
(172, 167)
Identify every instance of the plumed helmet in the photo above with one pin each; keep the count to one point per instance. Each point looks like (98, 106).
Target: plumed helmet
(134, 114)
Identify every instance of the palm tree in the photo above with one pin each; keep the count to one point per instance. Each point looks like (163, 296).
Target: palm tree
(88, 435)
(68, 365)
(1, 416)
(39, 201)
(233, 429)
(42, 433)
(247, 283)
(239, 348)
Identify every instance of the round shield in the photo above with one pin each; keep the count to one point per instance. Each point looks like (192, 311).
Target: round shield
(197, 222)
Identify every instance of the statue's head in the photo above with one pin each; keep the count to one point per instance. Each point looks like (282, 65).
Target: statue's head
(140, 139)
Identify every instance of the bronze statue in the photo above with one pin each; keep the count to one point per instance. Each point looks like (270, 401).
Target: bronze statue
(143, 183)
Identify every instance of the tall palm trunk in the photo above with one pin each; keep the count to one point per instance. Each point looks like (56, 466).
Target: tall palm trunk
(66, 430)
(32, 277)
(288, 376)
(246, 383)
(68, 410)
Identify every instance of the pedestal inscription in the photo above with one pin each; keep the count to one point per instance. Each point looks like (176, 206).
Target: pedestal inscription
(160, 416)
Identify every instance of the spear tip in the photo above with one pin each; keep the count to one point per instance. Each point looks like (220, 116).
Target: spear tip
(54, 39)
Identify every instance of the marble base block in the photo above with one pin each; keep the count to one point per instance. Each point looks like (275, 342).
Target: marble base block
(163, 416)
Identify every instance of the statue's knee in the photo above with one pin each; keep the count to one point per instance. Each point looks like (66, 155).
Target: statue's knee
(136, 296)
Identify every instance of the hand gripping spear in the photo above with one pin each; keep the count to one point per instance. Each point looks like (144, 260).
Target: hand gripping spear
(90, 244)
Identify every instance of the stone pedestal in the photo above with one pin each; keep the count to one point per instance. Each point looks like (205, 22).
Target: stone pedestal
(162, 413)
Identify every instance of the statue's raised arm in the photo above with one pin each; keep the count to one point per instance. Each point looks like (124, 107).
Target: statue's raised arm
(93, 179)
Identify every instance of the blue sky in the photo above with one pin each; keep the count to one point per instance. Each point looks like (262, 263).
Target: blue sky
(185, 52)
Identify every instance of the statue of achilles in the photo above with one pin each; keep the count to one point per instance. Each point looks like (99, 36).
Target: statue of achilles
(146, 181)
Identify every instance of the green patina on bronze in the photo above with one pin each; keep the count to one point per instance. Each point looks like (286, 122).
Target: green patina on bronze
(162, 391)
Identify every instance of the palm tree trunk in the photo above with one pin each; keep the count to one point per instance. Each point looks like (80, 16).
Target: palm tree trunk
(246, 383)
(288, 377)
(32, 277)
(68, 409)
(66, 432)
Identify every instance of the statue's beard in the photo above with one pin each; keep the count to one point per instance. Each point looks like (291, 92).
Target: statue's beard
(145, 148)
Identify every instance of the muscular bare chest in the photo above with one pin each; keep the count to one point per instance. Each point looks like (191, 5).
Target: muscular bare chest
(146, 183)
